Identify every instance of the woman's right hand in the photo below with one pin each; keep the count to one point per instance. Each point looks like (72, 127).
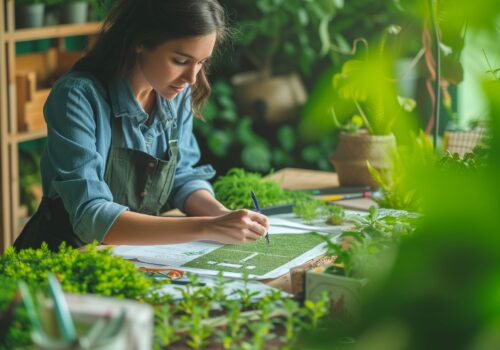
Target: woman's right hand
(240, 226)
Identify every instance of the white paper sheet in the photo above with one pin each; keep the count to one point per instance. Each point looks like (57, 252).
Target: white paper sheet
(177, 255)
(289, 223)
(171, 255)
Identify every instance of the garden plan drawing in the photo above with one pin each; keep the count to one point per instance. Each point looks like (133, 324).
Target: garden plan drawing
(257, 259)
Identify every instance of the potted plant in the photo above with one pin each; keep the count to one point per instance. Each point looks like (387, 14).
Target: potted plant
(74, 11)
(368, 87)
(29, 13)
(361, 253)
(279, 38)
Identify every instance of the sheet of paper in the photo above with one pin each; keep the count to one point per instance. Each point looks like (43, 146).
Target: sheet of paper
(258, 260)
(289, 223)
(173, 255)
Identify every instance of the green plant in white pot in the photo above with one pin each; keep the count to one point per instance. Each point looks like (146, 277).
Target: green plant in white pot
(368, 86)
(74, 11)
(29, 13)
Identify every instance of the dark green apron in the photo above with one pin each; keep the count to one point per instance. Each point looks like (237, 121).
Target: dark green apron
(136, 179)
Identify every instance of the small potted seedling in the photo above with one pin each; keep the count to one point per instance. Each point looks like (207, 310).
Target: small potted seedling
(29, 13)
(312, 210)
(362, 253)
(339, 281)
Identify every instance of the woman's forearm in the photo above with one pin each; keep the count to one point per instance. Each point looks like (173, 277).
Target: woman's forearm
(134, 228)
(213, 222)
(202, 203)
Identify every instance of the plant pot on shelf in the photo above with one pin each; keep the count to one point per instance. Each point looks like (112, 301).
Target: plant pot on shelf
(355, 149)
(345, 293)
(273, 99)
(74, 12)
(30, 16)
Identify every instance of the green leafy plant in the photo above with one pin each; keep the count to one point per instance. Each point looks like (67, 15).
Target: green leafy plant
(493, 71)
(30, 179)
(398, 190)
(235, 331)
(225, 132)
(335, 215)
(14, 322)
(294, 33)
(165, 325)
(360, 252)
(315, 311)
(318, 209)
(93, 271)
(198, 331)
(367, 83)
(234, 188)
(473, 161)
(308, 211)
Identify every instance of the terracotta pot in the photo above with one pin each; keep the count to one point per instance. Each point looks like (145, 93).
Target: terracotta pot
(274, 99)
(353, 150)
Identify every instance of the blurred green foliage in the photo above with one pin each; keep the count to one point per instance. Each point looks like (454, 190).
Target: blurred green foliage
(231, 140)
(443, 289)
(14, 327)
(279, 36)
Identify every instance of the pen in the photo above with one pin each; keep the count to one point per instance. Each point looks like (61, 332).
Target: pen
(257, 209)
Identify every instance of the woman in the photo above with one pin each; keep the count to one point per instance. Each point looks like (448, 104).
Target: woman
(120, 147)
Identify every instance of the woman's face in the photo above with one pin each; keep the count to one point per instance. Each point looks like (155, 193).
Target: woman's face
(173, 65)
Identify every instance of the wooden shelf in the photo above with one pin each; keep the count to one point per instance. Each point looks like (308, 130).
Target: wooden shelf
(28, 136)
(58, 31)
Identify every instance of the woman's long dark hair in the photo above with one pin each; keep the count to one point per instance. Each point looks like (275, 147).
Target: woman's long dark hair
(131, 23)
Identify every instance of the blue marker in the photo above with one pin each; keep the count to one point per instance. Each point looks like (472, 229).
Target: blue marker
(257, 209)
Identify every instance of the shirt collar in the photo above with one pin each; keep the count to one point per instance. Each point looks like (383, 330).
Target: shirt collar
(126, 105)
(124, 102)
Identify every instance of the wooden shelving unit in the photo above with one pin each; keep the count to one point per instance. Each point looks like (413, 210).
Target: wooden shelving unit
(10, 137)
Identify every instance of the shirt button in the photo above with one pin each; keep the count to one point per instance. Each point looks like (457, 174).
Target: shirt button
(143, 194)
(151, 165)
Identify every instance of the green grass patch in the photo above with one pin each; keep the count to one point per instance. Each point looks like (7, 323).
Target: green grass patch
(258, 257)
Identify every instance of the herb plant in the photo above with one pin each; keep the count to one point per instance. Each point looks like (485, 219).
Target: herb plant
(318, 209)
(362, 251)
(234, 188)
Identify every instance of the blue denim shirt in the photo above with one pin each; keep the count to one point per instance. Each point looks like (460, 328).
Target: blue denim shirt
(78, 113)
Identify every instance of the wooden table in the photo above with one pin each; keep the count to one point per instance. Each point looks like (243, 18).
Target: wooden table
(304, 179)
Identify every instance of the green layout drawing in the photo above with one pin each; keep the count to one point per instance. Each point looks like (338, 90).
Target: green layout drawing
(258, 257)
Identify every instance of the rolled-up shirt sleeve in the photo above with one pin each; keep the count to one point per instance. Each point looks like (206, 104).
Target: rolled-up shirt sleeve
(189, 177)
(79, 167)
